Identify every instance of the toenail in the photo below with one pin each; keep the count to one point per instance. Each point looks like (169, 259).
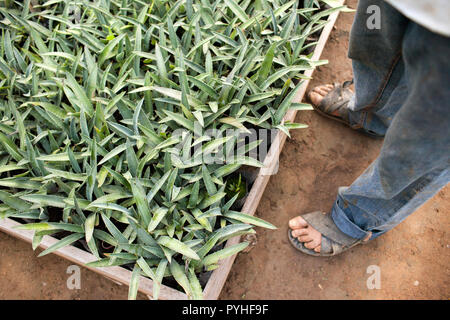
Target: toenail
(294, 223)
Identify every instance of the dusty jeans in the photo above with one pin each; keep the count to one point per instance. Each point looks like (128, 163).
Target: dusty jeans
(402, 77)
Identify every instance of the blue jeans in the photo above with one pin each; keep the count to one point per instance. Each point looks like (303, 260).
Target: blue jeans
(402, 76)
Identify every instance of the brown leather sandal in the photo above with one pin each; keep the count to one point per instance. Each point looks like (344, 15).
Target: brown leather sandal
(335, 106)
(334, 241)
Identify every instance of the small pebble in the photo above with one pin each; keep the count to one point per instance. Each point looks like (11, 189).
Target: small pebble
(320, 286)
(416, 283)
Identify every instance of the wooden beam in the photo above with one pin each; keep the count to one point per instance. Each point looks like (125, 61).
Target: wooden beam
(81, 257)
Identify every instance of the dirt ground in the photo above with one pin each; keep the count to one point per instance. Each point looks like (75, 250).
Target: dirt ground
(413, 258)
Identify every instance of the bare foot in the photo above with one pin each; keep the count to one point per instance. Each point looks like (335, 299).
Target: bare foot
(318, 93)
(305, 233)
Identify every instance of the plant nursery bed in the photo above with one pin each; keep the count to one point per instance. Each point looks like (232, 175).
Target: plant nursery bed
(215, 280)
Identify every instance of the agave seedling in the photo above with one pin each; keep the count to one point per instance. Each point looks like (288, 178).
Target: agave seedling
(92, 96)
(236, 186)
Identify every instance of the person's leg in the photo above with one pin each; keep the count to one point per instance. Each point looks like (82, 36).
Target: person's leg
(378, 69)
(414, 162)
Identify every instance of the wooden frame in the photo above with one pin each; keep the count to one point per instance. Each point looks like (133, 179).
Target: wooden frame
(218, 277)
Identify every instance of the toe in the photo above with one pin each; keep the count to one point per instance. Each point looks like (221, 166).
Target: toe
(299, 232)
(310, 245)
(321, 90)
(297, 223)
(327, 89)
(305, 238)
(317, 249)
(315, 97)
(324, 88)
(314, 243)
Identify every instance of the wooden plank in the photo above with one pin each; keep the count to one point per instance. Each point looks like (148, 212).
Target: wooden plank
(219, 276)
(81, 257)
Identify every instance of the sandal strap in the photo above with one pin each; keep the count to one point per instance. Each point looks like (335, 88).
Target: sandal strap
(326, 226)
(347, 83)
(335, 102)
(330, 247)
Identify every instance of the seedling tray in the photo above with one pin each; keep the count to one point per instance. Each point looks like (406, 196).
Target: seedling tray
(218, 277)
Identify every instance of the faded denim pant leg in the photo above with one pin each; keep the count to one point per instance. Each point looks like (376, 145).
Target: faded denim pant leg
(402, 76)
